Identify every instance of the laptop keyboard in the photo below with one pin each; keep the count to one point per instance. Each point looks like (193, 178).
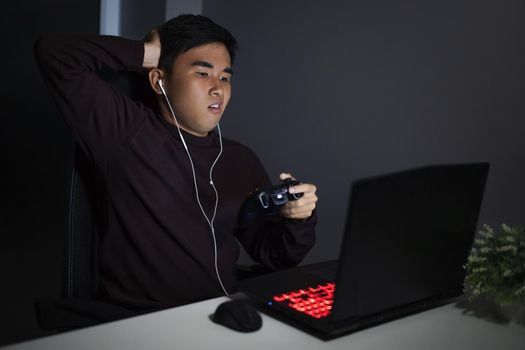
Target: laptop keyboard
(315, 302)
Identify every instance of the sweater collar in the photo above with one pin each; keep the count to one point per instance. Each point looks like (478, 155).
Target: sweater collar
(200, 141)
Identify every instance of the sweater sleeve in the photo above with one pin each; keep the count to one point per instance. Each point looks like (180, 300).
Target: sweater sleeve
(277, 243)
(99, 116)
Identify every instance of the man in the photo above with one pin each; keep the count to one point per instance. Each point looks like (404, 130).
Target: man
(171, 185)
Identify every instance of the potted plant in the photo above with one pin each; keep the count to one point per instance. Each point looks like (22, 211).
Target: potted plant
(495, 271)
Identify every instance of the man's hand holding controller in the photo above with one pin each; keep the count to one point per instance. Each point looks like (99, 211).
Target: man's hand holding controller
(303, 207)
(291, 199)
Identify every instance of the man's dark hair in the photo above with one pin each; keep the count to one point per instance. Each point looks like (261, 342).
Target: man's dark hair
(185, 32)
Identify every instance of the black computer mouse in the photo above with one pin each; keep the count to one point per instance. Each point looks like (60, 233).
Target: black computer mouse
(237, 315)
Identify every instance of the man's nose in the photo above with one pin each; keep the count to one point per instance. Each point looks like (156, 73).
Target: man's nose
(216, 91)
(216, 88)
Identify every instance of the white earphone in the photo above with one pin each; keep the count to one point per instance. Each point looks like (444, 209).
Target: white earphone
(208, 220)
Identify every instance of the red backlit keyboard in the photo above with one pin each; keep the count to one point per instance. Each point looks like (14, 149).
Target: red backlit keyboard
(314, 301)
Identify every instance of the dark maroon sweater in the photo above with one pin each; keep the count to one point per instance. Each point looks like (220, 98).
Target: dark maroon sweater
(157, 249)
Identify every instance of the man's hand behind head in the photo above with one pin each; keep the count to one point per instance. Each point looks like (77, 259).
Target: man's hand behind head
(151, 50)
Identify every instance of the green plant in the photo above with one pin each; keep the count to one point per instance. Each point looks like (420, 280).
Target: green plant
(496, 266)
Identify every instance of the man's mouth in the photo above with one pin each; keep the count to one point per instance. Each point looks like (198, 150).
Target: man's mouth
(215, 107)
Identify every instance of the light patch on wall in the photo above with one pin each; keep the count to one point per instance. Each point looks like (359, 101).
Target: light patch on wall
(109, 17)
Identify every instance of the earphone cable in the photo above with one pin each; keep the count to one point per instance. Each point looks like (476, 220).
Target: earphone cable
(209, 221)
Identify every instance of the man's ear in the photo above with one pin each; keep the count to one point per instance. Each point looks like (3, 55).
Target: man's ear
(154, 76)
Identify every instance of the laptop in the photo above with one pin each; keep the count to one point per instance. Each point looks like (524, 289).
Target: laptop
(407, 237)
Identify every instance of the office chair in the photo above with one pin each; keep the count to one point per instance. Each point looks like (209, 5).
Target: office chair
(79, 277)
(78, 307)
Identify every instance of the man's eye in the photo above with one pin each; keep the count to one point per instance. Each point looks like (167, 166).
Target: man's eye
(225, 79)
(202, 74)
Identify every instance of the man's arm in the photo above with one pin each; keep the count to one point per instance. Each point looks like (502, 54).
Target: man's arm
(101, 118)
(283, 242)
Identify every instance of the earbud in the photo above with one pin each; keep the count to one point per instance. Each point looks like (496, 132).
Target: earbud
(161, 85)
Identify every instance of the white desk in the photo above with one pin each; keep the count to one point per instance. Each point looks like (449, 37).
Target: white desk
(188, 327)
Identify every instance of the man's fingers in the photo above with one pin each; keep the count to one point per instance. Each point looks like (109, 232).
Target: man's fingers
(303, 207)
(303, 188)
(300, 209)
(284, 176)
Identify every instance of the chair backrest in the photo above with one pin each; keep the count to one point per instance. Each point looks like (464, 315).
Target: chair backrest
(82, 233)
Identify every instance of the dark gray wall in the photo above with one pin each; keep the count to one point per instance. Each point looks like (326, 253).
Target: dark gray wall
(338, 90)
(35, 150)
(136, 21)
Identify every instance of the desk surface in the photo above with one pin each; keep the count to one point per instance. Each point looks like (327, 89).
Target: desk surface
(188, 327)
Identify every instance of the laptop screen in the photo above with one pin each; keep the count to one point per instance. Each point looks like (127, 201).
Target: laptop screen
(407, 237)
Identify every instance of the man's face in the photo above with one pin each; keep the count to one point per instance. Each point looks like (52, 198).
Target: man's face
(199, 87)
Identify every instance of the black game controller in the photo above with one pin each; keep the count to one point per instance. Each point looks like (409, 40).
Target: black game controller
(268, 202)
